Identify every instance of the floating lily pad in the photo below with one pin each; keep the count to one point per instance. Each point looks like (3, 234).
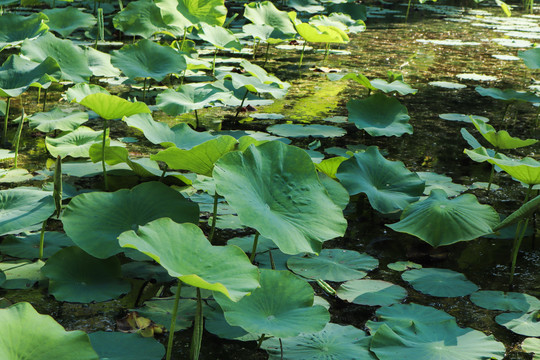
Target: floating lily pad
(14, 175)
(476, 77)
(66, 20)
(526, 324)
(333, 265)
(531, 58)
(297, 130)
(513, 42)
(508, 94)
(462, 117)
(57, 119)
(27, 246)
(532, 345)
(511, 301)
(403, 265)
(371, 292)
(439, 282)
(22, 274)
(122, 346)
(160, 311)
(405, 315)
(448, 85)
(396, 85)
(438, 181)
(505, 57)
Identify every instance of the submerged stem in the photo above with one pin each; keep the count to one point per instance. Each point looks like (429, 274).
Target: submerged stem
(196, 339)
(302, 55)
(518, 238)
(254, 248)
(173, 320)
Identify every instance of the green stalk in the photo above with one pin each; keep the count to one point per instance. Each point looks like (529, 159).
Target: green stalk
(183, 39)
(505, 111)
(302, 55)
(254, 248)
(241, 104)
(255, 47)
(42, 239)
(214, 62)
(326, 52)
(213, 229)
(100, 27)
(518, 238)
(120, 5)
(18, 138)
(173, 321)
(57, 189)
(407, 13)
(266, 54)
(272, 263)
(196, 339)
(260, 341)
(281, 348)
(144, 89)
(39, 95)
(492, 174)
(6, 116)
(44, 100)
(105, 181)
(196, 119)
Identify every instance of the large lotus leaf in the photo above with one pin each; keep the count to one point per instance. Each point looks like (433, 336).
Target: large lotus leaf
(160, 310)
(439, 282)
(531, 58)
(532, 345)
(224, 269)
(500, 139)
(438, 181)
(75, 143)
(380, 115)
(508, 94)
(510, 301)
(22, 274)
(336, 191)
(340, 20)
(333, 265)
(200, 159)
(526, 324)
(275, 189)
(94, 220)
(371, 292)
(27, 246)
(117, 155)
(330, 166)
(79, 91)
(389, 186)
(17, 74)
(396, 85)
(284, 313)
(524, 211)
(100, 63)
(113, 107)
(186, 13)
(66, 20)
(190, 97)
(25, 334)
(219, 37)
(309, 6)
(321, 33)
(355, 10)
(215, 323)
(526, 170)
(148, 59)
(358, 78)
(334, 342)
(441, 221)
(14, 29)
(298, 130)
(75, 276)
(442, 341)
(14, 175)
(182, 135)
(23, 207)
(57, 119)
(70, 57)
(240, 83)
(122, 346)
(143, 18)
(265, 13)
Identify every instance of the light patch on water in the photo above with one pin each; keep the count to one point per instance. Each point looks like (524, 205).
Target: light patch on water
(506, 57)
(476, 77)
(512, 42)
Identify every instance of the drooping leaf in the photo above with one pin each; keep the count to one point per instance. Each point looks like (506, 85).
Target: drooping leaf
(396, 85)
(187, 13)
(14, 29)
(219, 37)
(113, 107)
(17, 74)
(56, 119)
(321, 33)
(439, 282)
(117, 155)
(500, 139)
(190, 97)
(66, 20)
(371, 292)
(524, 211)
(526, 170)
(508, 94)
(75, 143)
(79, 91)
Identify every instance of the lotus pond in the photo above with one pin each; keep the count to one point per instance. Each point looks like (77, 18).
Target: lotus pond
(257, 180)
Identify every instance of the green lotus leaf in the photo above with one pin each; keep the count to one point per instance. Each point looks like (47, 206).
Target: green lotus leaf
(371, 292)
(14, 29)
(441, 221)
(146, 271)
(224, 269)
(160, 310)
(479, 154)
(187, 13)
(148, 59)
(403, 265)
(318, 20)
(532, 345)
(113, 107)
(200, 159)
(66, 20)
(2, 277)
(71, 58)
(23, 331)
(330, 166)
(87, 168)
(333, 342)
(75, 143)
(246, 243)
(253, 85)
(462, 117)
(508, 94)
(389, 186)
(215, 323)
(358, 78)
(322, 33)
(143, 18)
(333, 265)
(219, 37)
(22, 274)
(396, 85)
(380, 115)
(336, 191)
(284, 313)
(17, 74)
(309, 6)
(524, 211)
(266, 13)
(122, 346)
(75, 276)
(526, 170)
(79, 91)
(94, 220)
(526, 324)
(117, 155)
(439, 282)
(275, 189)
(531, 58)
(500, 139)
(27, 246)
(510, 301)
(57, 119)
(352, 25)
(298, 130)
(438, 181)
(14, 175)
(190, 97)
(408, 315)
(23, 207)
(100, 63)
(354, 10)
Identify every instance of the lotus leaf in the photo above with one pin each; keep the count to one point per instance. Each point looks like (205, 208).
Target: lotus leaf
(283, 313)
(94, 220)
(330, 166)
(221, 269)
(22, 274)
(297, 130)
(14, 29)
(246, 243)
(143, 18)
(438, 181)
(23, 207)
(462, 117)
(24, 330)
(334, 342)
(122, 346)
(275, 189)
(100, 63)
(113, 107)
(65, 21)
(216, 324)
(532, 345)
(71, 58)
(88, 168)
(531, 58)
(220, 37)
(389, 186)
(79, 91)
(321, 33)
(200, 159)
(148, 59)
(75, 276)
(371, 292)
(526, 170)
(508, 94)
(403, 265)
(57, 119)
(266, 14)
(310, 6)
(524, 211)
(511, 301)
(354, 10)
(75, 143)
(160, 311)
(526, 324)
(358, 78)
(14, 175)
(333, 265)
(441, 221)
(187, 13)
(190, 97)
(336, 191)
(380, 115)
(17, 74)
(27, 246)
(117, 155)
(439, 282)
(500, 139)
(265, 32)
(326, 20)
(396, 85)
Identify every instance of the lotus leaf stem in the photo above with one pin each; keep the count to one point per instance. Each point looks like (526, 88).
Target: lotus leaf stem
(255, 47)
(505, 111)
(42, 239)
(196, 119)
(214, 62)
(326, 287)
(241, 104)
(272, 263)
(214, 216)
(266, 54)
(281, 348)
(18, 138)
(183, 39)
(326, 51)
(120, 5)
(302, 55)
(144, 89)
(6, 116)
(407, 13)
(254, 248)
(260, 341)
(173, 320)
(57, 188)
(196, 339)
(44, 100)
(518, 238)
(38, 94)
(105, 181)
